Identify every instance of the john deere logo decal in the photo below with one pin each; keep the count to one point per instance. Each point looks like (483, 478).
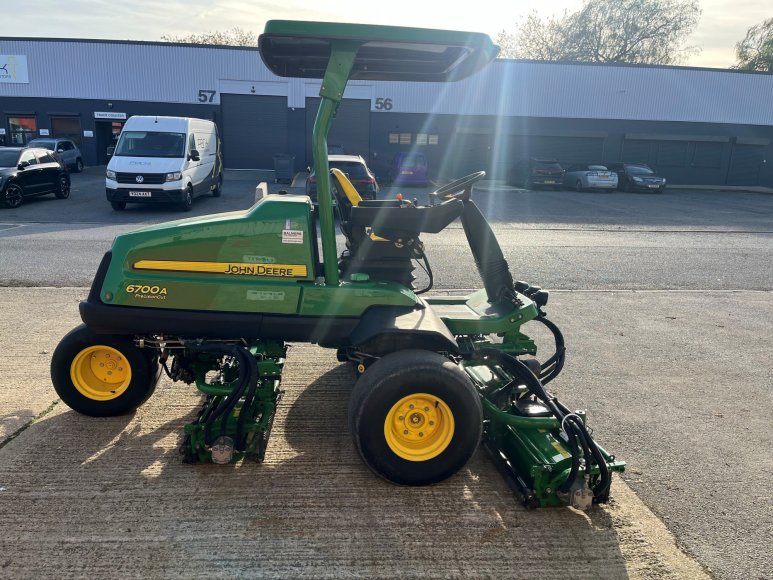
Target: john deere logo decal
(232, 268)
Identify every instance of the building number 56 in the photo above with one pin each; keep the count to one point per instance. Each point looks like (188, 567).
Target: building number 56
(383, 104)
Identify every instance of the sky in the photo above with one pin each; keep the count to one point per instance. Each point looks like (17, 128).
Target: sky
(723, 23)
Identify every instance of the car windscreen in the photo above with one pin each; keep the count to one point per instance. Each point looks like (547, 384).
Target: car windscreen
(547, 165)
(150, 144)
(352, 169)
(413, 161)
(9, 158)
(596, 168)
(44, 143)
(639, 170)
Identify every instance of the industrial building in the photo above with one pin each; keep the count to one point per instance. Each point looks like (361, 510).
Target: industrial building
(693, 126)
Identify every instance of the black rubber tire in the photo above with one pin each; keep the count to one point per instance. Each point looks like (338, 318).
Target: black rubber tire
(218, 191)
(118, 205)
(78, 165)
(145, 372)
(13, 195)
(64, 187)
(578, 186)
(401, 374)
(187, 203)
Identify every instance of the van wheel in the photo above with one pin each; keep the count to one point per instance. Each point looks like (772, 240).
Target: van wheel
(218, 191)
(187, 203)
(118, 205)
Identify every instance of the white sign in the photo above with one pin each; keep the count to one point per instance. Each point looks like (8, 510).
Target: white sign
(2, 131)
(88, 133)
(292, 236)
(13, 68)
(44, 133)
(110, 115)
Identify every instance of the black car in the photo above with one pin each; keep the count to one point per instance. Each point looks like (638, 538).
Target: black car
(30, 171)
(362, 178)
(637, 177)
(534, 171)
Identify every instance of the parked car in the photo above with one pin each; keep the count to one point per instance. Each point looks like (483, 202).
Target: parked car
(355, 168)
(582, 176)
(65, 148)
(534, 171)
(637, 177)
(409, 169)
(30, 171)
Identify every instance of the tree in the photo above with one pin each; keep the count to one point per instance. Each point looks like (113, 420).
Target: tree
(755, 52)
(633, 31)
(233, 37)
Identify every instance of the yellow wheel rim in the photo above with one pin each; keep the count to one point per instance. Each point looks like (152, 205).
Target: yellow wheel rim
(419, 427)
(100, 373)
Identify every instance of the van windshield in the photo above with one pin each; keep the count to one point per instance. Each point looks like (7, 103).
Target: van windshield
(150, 144)
(413, 161)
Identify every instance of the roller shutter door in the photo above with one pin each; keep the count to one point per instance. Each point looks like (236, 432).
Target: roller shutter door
(254, 130)
(745, 165)
(350, 128)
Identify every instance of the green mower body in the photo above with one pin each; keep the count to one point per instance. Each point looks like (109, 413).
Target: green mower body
(214, 300)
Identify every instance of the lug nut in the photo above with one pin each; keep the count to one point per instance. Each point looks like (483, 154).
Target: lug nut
(426, 409)
(410, 406)
(431, 422)
(421, 434)
(405, 432)
(401, 418)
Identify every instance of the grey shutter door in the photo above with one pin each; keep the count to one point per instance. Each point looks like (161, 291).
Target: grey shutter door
(745, 165)
(254, 130)
(350, 128)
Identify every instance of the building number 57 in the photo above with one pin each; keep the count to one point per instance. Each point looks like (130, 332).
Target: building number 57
(206, 96)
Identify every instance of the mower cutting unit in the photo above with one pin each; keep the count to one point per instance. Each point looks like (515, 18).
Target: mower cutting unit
(214, 300)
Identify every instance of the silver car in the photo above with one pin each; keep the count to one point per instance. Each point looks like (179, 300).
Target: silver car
(66, 149)
(583, 176)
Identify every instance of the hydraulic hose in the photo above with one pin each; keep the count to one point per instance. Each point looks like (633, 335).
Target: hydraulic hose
(247, 378)
(576, 431)
(555, 364)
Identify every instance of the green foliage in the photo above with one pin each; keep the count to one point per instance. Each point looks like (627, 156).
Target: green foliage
(755, 52)
(633, 31)
(232, 37)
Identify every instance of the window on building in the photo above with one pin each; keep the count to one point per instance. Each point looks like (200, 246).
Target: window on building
(405, 138)
(432, 139)
(68, 128)
(394, 138)
(421, 138)
(21, 130)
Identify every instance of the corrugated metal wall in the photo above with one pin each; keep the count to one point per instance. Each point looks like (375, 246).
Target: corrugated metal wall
(176, 73)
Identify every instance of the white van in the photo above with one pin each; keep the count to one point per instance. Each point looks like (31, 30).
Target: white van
(164, 159)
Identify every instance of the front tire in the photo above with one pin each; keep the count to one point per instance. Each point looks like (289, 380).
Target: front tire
(415, 417)
(102, 375)
(187, 202)
(13, 195)
(64, 187)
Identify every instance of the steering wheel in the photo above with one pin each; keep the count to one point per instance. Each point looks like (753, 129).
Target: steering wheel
(461, 188)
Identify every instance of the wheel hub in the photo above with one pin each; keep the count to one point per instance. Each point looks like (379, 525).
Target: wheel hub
(100, 373)
(419, 427)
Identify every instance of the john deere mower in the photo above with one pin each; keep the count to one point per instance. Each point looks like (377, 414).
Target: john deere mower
(213, 301)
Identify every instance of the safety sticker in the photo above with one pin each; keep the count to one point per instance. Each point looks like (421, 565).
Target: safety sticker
(292, 236)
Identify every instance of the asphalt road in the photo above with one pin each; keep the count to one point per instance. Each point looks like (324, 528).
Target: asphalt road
(666, 302)
(558, 240)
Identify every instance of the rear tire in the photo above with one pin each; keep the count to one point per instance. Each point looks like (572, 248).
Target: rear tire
(578, 186)
(415, 417)
(102, 375)
(78, 166)
(118, 205)
(218, 191)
